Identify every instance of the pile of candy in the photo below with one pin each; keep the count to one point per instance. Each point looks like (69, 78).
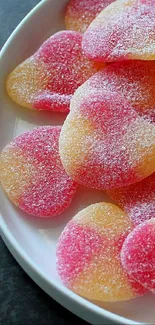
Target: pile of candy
(107, 142)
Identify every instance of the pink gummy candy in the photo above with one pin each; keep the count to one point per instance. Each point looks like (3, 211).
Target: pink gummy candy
(124, 30)
(138, 200)
(80, 13)
(138, 254)
(88, 254)
(48, 79)
(105, 144)
(32, 174)
(134, 80)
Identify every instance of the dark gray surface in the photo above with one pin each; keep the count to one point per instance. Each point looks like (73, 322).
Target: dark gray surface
(21, 301)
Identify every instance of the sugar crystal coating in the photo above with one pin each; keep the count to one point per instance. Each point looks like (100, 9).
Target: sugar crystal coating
(48, 79)
(32, 175)
(105, 144)
(88, 254)
(124, 30)
(80, 13)
(138, 254)
(138, 200)
(134, 80)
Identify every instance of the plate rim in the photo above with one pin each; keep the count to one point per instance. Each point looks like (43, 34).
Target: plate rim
(26, 262)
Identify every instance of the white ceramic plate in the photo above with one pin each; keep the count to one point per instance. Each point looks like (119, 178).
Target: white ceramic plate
(33, 242)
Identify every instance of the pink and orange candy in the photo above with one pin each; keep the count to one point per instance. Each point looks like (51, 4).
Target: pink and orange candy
(48, 79)
(134, 80)
(137, 200)
(125, 30)
(32, 175)
(138, 254)
(80, 13)
(105, 144)
(88, 254)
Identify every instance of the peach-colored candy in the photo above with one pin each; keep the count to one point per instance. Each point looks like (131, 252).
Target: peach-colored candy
(80, 13)
(134, 80)
(88, 254)
(48, 79)
(138, 254)
(138, 200)
(105, 144)
(124, 30)
(32, 175)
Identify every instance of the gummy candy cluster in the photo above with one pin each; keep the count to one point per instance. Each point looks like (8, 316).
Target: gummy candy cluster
(101, 71)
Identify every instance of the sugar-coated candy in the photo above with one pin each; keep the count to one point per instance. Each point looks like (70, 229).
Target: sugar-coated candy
(138, 254)
(48, 79)
(138, 200)
(32, 175)
(134, 80)
(88, 254)
(124, 30)
(105, 144)
(80, 13)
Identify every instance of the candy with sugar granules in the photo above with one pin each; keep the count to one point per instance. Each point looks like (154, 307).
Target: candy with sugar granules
(48, 79)
(105, 144)
(134, 80)
(32, 175)
(138, 200)
(124, 30)
(88, 254)
(80, 13)
(138, 254)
